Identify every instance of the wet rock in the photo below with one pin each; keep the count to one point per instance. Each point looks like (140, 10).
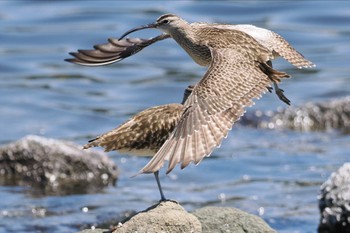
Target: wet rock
(171, 217)
(227, 220)
(334, 202)
(330, 115)
(55, 167)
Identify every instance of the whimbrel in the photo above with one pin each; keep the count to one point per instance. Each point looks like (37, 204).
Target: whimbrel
(190, 37)
(239, 71)
(144, 133)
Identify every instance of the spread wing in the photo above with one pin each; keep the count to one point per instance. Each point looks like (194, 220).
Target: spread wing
(114, 51)
(285, 50)
(144, 133)
(216, 103)
(272, 41)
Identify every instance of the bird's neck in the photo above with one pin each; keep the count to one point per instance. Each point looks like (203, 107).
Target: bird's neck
(186, 38)
(183, 34)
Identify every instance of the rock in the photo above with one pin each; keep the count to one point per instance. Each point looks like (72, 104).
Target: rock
(165, 216)
(55, 167)
(227, 220)
(334, 202)
(330, 115)
(171, 217)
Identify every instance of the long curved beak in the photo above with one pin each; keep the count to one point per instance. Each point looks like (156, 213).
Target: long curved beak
(151, 25)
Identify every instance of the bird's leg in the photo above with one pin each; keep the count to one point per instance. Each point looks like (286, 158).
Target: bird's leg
(278, 91)
(269, 88)
(156, 175)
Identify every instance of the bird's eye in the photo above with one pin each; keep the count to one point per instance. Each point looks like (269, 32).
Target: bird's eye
(165, 21)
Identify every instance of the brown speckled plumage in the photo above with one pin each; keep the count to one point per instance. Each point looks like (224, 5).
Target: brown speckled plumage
(238, 73)
(143, 134)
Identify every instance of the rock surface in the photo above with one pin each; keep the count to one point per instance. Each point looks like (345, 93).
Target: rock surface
(230, 220)
(54, 166)
(164, 217)
(334, 202)
(170, 217)
(329, 115)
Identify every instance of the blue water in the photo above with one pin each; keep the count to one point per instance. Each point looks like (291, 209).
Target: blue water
(274, 174)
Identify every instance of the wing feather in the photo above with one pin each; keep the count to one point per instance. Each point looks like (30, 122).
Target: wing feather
(216, 103)
(272, 41)
(113, 51)
(144, 133)
(285, 50)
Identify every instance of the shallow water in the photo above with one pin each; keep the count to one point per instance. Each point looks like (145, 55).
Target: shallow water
(275, 174)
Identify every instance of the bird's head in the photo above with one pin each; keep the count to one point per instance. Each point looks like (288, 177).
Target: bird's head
(166, 23)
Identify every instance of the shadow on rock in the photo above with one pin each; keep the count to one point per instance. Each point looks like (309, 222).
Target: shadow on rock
(54, 167)
(325, 116)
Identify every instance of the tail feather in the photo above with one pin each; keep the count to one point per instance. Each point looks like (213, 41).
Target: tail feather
(274, 75)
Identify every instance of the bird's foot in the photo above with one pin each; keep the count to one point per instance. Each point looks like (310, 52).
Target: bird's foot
(281, 96)
(269, 89)
(165, 200)
(279, 93)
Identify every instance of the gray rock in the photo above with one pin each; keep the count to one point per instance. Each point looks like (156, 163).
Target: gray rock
(334, 202)
(171, 217)
(230, 220)
(164, 217)
(54, 166)
(329, 115)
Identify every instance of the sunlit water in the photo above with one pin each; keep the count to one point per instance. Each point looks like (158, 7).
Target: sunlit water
(274, 174)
